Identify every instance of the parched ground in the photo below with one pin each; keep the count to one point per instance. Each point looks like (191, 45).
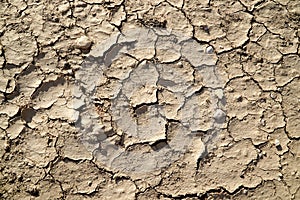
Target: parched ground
(149, 99)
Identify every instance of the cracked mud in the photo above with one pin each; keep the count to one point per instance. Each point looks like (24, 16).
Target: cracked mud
(148, 99)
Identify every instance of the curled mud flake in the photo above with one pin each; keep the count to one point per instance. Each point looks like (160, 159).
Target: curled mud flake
(48, 93)
(59, 110)
(10, 109)
(15, 128)
(38, 119)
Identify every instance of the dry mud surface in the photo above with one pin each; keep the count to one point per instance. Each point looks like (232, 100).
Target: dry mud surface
(149, 99)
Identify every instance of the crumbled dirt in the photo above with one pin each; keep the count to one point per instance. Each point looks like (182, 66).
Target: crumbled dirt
(149, 99)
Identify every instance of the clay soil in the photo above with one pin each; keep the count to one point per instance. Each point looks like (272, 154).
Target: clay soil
(185, 99)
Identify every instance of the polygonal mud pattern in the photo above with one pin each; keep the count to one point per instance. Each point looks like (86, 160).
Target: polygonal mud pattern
(157, 106)
(164, 76)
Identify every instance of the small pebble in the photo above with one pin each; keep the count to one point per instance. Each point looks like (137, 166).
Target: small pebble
(83, 43)
(220, 116)
(273, 95)
(263, 122)
(209, 50)
(277, 143)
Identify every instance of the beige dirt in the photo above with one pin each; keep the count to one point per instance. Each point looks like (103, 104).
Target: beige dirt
(154, 131)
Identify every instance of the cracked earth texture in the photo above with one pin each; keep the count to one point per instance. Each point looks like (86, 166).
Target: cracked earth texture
(205, 105)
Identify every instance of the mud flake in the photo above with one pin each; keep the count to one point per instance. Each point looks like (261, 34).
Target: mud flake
(18, 48)
(4, 121)
(287, 70)
(124, 189)
(241, 94)
(170, 102)
(283, 140)
(42, 152)
(291, 107)
(290, 167)
(73, 148)
(9, 109)
(79, 178)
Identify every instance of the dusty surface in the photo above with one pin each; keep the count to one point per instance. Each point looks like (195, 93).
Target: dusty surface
(149, 99)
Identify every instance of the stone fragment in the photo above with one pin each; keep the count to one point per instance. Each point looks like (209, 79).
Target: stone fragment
(209, 49)
(220, 116)
(83, 43)
(277, 143)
